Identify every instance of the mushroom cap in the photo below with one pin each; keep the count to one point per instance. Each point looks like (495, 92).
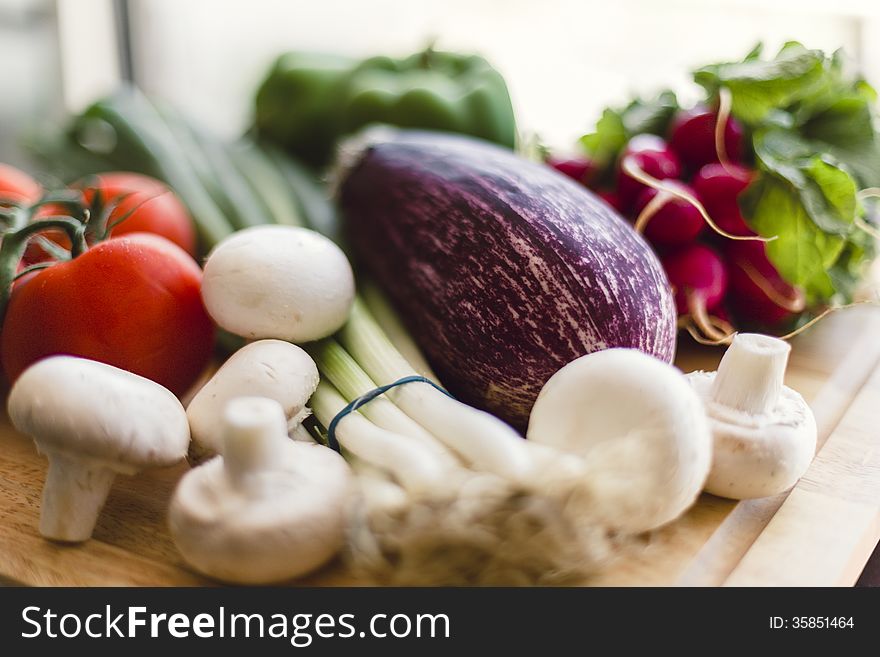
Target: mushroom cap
(287, 521)
(640, 428)
(757, 455)
(96, 411)
(274, 369)
(281, 282)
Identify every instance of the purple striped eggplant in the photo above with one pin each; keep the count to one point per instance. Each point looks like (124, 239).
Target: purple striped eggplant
(503, 269)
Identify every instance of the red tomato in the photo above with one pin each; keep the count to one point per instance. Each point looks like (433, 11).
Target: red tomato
(18, 187)
(156, 209)
(133, 302)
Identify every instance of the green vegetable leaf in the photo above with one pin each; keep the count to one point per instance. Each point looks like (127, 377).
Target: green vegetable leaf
(802, 252)
(610, 136)
(827, 192)
(758, 86)
(844, 128)
(755, 52)
(843, 121)
(852, 265)
(651, 116)
(831, 193)
(616, 127)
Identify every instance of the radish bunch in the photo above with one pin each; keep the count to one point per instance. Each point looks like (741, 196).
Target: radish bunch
(717, 280)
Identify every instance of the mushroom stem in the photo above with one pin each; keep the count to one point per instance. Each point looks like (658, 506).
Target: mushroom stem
(73, 495)
(251, 442)
(750, 375)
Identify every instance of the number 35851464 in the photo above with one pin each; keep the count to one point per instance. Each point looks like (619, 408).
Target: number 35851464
(811, 622)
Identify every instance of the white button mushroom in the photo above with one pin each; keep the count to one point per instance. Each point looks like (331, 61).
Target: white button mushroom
(278, 282)
(640, 428)
(266, 368)
(93, 421)
(269, 509)
(764, 432)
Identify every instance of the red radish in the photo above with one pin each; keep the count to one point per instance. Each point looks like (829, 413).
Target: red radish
(717, 187)
(612, 198)
(652, 155)
(669, 188)
(731, 221)
(758, 293)
(676, 222)
(699, 277)
(581, 169)
(645, 142)
(722, 313)
(696, 271)
(692, 137)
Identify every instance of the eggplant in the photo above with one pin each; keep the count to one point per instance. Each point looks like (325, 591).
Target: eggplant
(503, 269)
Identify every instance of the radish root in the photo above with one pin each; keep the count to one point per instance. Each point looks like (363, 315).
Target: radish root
(713, 328)
(792, 305)
(708, 342)
(725, 101)
(828, 311)
(633, 170)
(652, 208)
(727, 339)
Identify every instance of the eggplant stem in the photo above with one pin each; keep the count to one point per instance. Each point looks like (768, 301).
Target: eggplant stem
(792, 305)
(633, 170)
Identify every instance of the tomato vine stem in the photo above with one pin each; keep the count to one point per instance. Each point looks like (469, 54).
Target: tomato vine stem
(15, 242)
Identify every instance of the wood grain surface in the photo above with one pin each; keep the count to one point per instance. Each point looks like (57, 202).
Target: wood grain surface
(820, 533)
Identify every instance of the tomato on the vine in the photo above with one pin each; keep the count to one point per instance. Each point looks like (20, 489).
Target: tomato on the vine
(17, 187)
(153, 206)
(136, 204)
(132, 301)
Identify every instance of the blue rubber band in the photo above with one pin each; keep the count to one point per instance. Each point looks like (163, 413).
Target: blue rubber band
(370, 396)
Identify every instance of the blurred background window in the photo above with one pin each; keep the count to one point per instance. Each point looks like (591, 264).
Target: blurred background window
(29, 70)
(563, 59)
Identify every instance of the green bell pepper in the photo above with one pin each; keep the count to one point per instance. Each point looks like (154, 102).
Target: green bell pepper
(309, 101)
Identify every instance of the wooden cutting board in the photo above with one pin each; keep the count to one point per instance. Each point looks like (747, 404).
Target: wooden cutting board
(819, 534)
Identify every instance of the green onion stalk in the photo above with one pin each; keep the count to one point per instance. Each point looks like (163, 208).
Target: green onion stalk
(494, 515)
